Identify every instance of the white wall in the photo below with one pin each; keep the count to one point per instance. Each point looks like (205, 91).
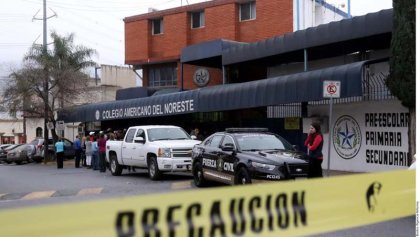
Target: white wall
(123, 77)
(312, 14)
(365, 144)
(10, 126)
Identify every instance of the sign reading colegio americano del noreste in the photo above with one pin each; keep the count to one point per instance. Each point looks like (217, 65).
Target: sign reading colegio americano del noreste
(178, 107)
(163, 105)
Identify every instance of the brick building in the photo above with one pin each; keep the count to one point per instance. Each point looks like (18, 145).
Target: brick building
(153, 41)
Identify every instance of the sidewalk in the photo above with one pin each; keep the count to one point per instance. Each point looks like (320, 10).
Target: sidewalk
(338, 172)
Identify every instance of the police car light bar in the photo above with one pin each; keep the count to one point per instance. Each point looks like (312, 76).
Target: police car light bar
(231, 130)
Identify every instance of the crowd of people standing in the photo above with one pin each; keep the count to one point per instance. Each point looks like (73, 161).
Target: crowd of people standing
(89, 151)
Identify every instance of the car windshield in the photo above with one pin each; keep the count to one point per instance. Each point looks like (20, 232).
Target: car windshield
(258, 142)
(156, 134)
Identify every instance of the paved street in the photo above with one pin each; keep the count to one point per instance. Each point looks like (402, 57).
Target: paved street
(39, 184)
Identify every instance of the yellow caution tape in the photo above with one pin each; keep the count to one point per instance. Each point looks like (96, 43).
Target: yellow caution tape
(277, 209)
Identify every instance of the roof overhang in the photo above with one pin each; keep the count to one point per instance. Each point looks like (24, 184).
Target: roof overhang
(300, 87)
(349, 34)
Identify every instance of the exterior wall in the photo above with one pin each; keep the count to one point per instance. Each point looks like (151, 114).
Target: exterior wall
(123, 77)
(11, 129)
(274, 17)
(136, 40)
(377, 132)
(308, 13)
(216, 76)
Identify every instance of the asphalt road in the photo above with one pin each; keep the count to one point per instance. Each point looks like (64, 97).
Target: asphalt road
(38, 184)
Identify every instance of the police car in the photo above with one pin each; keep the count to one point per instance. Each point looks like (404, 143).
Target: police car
(246, 155)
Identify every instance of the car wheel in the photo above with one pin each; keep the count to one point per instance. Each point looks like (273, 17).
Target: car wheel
(116, 169)
(243, 177)
(199, 179)
(153, 168)
(18, 162)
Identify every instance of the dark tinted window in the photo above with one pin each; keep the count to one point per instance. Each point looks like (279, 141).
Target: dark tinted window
(259, 141)
(197, 19)
(157, 26)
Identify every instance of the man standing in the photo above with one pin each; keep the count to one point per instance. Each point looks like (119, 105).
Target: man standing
(78, 151)
(102, 152)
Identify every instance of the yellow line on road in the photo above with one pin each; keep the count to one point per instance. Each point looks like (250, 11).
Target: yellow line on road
(89, 191)
(38, 195)
(181, 185)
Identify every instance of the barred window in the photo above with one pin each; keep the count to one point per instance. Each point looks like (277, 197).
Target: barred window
(163, 75)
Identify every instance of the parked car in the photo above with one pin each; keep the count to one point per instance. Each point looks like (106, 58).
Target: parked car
(38, 142)
(246, 155)
(158, 148)
(4, 151)
(20, 153)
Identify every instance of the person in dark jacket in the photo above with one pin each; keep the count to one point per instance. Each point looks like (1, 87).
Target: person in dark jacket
(314, 143)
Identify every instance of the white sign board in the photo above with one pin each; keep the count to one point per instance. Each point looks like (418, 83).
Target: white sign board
(332, 89)
(367, 136)
(59, 125)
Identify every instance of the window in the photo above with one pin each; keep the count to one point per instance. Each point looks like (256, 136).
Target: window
(157, 26)
(197, 19)
(38, 132)
(163, 75)
(215, 141)
(228, 140)
(130, 135)
(247, 11)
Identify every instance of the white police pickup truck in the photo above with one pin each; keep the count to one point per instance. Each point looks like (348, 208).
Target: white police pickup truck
(157, 148)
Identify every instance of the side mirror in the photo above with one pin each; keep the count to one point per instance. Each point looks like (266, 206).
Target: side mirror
(228, 147)
(139, 140)
(193, 137)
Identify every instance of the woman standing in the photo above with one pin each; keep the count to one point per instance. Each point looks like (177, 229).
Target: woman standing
(314, 143)
(59, 151)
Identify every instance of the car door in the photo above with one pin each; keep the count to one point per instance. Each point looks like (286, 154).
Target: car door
(128, 147)
(140, 151)
(210, 157)
(68, 148)
(227, 159)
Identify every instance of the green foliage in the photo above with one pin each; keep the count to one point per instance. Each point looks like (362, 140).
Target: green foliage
(63, 64)
(401, 81)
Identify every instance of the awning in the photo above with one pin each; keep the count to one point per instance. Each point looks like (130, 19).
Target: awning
(300, 87)
(348, 33)
(207, 53)
(162, 105)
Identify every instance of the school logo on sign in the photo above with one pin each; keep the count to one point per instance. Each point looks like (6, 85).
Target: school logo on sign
(97, 115)
(347, 137)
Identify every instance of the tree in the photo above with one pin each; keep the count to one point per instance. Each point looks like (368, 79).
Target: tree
(401, 81)
(67, 82)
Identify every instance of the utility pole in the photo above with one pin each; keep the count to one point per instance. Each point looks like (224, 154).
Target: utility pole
(46, 76)
(44, 52)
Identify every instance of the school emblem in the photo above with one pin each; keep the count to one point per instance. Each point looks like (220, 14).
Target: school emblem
(97, 115)
(347, 137)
